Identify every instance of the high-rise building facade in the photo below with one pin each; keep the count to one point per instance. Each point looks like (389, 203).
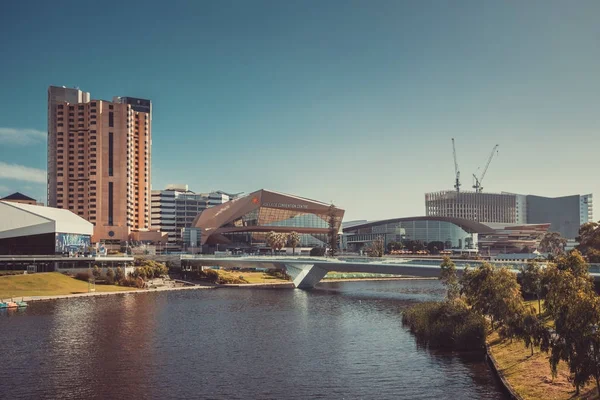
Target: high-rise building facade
(174, 210)
(565, 214)
(481, 207)
(99, 156)
(58, 95)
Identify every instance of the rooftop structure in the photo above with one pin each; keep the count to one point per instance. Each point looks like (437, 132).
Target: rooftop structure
(21, 198)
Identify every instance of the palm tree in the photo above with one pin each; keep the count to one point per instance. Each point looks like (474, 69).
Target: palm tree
(280, 241)
(293, 240)
(271, 239)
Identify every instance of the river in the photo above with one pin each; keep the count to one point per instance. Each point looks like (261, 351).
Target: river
(339, 341)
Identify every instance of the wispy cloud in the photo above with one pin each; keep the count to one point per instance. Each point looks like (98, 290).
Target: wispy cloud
(22, 173)
(22, 137)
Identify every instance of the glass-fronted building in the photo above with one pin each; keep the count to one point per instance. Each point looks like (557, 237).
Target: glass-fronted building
(447, 233)
(243, 223)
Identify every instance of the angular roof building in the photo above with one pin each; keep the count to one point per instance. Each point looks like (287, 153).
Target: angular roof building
(244, 222)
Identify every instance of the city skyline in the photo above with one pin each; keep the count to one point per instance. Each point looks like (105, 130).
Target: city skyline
(353, 104)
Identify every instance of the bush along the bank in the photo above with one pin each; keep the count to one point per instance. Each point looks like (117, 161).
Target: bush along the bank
(448, 325)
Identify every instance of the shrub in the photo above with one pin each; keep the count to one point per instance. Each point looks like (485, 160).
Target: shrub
(119, 275)
(96, 271)
(317, 251)
(449, 325)
(110, 276)
(139, 283)
(83, 276)
(128, 282)
(278, 273)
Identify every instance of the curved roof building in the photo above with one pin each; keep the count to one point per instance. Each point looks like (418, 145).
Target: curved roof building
(244, 221)
(447, 233)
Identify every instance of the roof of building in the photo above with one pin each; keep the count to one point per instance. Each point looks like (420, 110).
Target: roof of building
(17, 196)
(25, 219)
(467, 225)
(212, 219)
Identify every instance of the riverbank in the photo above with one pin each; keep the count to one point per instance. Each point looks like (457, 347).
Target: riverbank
(48, 284)
(29, 299)
(529, 376)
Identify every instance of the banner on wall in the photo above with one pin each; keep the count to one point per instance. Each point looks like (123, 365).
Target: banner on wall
(70, 242)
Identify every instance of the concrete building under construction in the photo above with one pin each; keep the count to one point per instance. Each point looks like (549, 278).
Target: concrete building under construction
(480, 207)
(564, 214)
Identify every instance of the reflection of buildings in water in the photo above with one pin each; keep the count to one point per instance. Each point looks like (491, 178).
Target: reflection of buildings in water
(71, 342)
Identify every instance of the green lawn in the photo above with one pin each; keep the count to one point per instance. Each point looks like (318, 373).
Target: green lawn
(252, 277)
(47, 284)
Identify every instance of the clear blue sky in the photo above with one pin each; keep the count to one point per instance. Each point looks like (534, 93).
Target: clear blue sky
(347, 101)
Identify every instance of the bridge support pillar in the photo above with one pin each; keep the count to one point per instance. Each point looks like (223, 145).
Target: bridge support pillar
(305, 276)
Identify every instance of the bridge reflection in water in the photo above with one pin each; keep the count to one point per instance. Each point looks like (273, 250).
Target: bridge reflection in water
(306, 272)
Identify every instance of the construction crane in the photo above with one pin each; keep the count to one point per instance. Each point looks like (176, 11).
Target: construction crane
(456, 171)
(478, 188)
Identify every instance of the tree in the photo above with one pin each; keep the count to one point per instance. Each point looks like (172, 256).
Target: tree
(393, 246)
(553, 243)
(435, 246)
(573, 262)
(332, 221)
(531, 281)
(532, 331)
(119, 275)
(493, 292)
(96, 272)
(280, 240)
(450, 279)
(110, 276)
(293, 240)
(589, 241)
(272, 240)
(376, 248)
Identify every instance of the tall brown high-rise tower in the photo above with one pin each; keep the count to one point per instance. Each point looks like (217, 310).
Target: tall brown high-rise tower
(99, 161)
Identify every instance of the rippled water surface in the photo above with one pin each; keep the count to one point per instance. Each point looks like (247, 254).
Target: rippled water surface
(339, 341)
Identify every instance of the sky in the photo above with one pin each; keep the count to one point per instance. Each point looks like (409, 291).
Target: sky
(351, 102)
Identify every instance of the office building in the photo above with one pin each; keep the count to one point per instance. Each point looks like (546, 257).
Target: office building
(564, 214)
(244, 222)
(99, 155)
(175, 208)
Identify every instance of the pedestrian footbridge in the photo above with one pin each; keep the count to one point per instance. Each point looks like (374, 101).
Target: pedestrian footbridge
(306, 272)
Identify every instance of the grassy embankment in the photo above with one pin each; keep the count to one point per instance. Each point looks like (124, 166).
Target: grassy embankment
(48, 284)
(250, 277)
(358, 275)
(530, 376)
